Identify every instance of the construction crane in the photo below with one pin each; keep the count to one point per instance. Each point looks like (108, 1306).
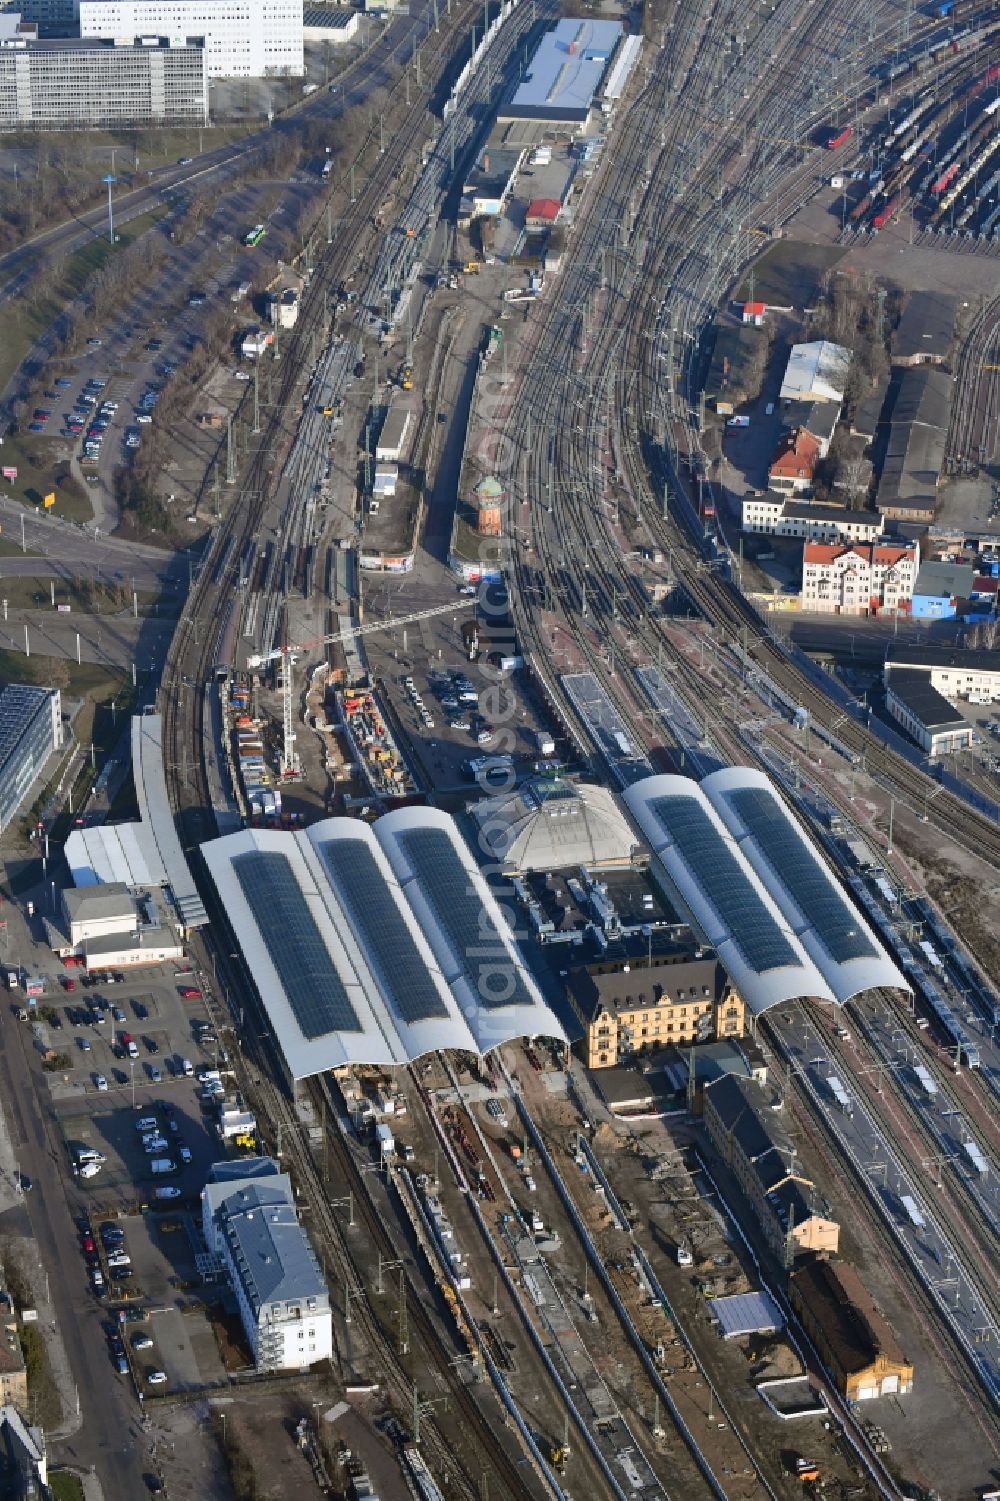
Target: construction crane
(288, 655)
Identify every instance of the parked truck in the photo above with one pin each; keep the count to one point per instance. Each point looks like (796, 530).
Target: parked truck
(161, 1165)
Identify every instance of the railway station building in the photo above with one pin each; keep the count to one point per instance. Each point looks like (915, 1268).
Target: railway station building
(733, 860)
(374, 944)
(629, 1010)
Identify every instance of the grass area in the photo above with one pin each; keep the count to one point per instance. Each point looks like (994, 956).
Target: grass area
(789, 273)
(26, 318)
(43, 1394)
(11, 549)
(86, 680)
(42, 468)
(65, 1486)
(82, 595)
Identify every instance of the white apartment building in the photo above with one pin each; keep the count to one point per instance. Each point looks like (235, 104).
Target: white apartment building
(243, 38)
(777, 515)
(249, 1221)
(859, 579)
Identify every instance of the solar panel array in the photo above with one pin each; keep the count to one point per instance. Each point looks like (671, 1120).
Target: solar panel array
(305, 967)
(819, 901)
(714, 866)
(381, 931)
(459, 912)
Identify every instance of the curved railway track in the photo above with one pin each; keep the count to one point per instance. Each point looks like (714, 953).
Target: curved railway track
(208, 615)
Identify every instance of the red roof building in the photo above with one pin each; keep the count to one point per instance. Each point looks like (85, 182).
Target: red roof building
(792, 469)
(542, 211)
(863, 579)
(754, 312)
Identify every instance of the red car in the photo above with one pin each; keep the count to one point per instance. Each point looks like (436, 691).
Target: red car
(68, 984)
(88, 1244)
(125, 1037)
(190, 992)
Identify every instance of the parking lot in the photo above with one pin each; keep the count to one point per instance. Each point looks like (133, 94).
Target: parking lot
(143, 1267)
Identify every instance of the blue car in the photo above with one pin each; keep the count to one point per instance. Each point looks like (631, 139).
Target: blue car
(36, 427)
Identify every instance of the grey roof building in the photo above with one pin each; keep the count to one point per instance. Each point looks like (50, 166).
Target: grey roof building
(915, 452)
(566, 72)
(942, 580)
(936, 725)
(747, 1133)
(251, 1223)
(925, 330)
(30, 730)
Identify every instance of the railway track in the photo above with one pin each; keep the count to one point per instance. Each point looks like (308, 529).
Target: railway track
(191, 658)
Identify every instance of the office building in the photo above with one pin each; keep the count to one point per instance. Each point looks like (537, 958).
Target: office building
(74, 83)
(30, 730)
(244, 39)
(249, 1222)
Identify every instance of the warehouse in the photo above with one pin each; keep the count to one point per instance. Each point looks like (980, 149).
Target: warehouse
(926, 715)
(565, 74)
(816, 371)
(374, 943)
(30, 730)
(851, 1335)
(732, 856)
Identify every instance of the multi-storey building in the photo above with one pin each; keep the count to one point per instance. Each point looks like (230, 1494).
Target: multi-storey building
(72, 83)
(861, 579)
(779, 516)
(635, 1008)
(30, 730)
(249, 1221)
(242, 39)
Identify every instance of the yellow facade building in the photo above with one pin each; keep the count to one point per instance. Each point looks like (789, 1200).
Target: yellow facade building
(631, 1009)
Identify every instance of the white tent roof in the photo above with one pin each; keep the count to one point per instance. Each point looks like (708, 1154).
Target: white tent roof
(340, 927)
(715, 883)
(106, 853)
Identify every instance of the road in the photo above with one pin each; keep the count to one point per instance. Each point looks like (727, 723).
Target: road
(209, 172)
(67, 549)
(110, 1437)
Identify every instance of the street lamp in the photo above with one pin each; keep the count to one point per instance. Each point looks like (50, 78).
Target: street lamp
(110, 180)
(131, 1073)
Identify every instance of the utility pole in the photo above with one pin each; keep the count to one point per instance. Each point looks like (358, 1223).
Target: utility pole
(230, 452)
(404, 1331)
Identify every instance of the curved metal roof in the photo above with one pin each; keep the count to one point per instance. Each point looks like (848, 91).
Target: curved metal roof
(353, 968)
(716, 884)
(825, 920)
(466, 928)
